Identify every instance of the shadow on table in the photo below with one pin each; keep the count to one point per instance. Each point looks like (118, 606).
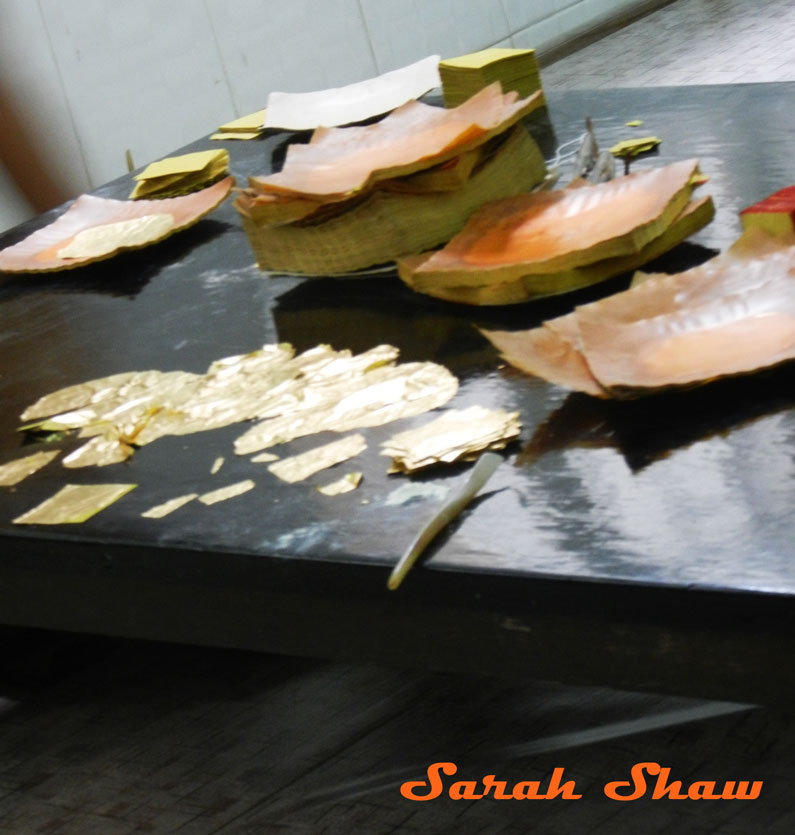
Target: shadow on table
(650, 428)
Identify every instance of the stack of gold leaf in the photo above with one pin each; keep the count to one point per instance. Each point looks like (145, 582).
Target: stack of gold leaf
(732, 315)
(358, 196)
(533, 245)
(458, 434)
(246, 127)
(515, 69)
(184, 174)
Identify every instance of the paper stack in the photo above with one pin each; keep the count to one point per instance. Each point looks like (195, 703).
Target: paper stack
(734, 314)
(515, 69)
(359, 196)
(459, 434)
(174, 176)
(246, 127)
(542, 244)
(775, 214)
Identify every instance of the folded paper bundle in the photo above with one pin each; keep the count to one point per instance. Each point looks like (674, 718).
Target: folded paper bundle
(179, 175)
(515, 69)
(95, 228)
(456, 435)
(775, 214)
(550, 242)
(732, 315)
(358, 196)
(246, 127)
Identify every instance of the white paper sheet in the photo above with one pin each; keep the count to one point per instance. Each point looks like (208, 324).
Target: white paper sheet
(354, 103)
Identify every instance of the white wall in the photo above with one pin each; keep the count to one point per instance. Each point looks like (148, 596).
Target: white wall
(92, 78)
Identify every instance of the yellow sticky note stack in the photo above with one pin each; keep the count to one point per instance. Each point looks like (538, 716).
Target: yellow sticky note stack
(246, 127)
(515, 69)
(173, 176)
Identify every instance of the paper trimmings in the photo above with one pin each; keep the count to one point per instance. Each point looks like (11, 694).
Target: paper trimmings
(457, 434)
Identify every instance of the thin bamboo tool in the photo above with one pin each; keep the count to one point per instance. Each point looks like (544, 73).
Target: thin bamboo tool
(484, 469)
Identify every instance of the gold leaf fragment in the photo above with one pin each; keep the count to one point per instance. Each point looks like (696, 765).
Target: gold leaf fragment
(229, 492)
(108, 237)
(457, 434)
(15, 471)
(217, 464)
(264, 458)
(349, 482)
(381, 395)
(161, 510)
(100, 451)
(292, 396)
(74, 503)
(299, 467)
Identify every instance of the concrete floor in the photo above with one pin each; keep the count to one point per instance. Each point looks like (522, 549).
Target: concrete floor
(115, 737)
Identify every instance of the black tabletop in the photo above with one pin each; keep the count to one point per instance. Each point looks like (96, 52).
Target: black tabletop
(664, 523)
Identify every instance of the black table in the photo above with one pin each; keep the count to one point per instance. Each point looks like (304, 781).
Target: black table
(646, 545)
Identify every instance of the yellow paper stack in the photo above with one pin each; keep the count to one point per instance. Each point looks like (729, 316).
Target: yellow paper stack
(515, 69)
(533, 245)
(184, 174)
(359, 196)
(246, 127)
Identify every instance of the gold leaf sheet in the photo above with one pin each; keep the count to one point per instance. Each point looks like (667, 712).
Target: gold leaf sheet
(551, 231)
(228, 492)
(39, 251)
(731, 315)
(161, 510)
(457, 434)
(123, 234)
(299, 467)
(74, 503)
(380, 396)
(340, 161)
(346, 484)
(15, 471)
